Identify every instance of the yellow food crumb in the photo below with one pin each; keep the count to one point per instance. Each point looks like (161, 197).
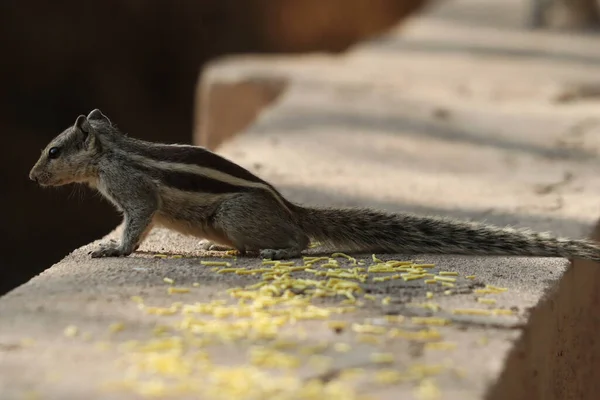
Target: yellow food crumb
(471, 311)
(27, 342)
(483, 300)
(496, 288)
(424, 265)
(240, 271)
(460, 372)
(116, 327)
(500, 311)
(173, 290)
(352, 374)
(444, 279)
(447, 292)
(282, 344)
(382, 358)
(342, 347)
(428, 390)
(159, 330)
(377, 260)
(227, 270)
(411, 277)
(71, 331)
(394, 318)
(31, 395)
(430, 321)
(161, 310)
(470, 277)
(388, 377)
(422, 371)
(368, 338)
(440, 346)
(137, 299)
(346, 256)
(216, 263)
(429, 295)
(366, 328)
(103, 346)
(195, 284)
(448, 273)
(269, 358)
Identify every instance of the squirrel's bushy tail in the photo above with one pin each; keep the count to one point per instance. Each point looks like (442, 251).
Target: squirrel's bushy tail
(374, 231)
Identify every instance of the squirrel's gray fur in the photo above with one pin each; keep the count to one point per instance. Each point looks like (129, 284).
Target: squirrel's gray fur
(197, 192)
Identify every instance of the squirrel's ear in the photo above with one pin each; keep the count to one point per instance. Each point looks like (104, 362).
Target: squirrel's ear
(87, 134)
(96, 114)
(83, 124)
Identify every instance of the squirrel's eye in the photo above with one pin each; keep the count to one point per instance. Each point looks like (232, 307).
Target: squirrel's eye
(53, 152)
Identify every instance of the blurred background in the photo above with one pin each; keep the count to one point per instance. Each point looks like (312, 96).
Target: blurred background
(139, 62)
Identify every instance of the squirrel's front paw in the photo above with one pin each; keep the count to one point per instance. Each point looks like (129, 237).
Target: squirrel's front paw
(110, 249)
(207, 245)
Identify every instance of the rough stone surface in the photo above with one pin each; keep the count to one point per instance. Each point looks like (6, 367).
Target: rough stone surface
(452, 117)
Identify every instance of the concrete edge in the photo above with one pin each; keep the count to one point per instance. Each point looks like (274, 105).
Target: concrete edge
(557, 355)
(226, 104)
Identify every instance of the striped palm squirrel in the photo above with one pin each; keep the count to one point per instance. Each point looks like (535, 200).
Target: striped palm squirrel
(196, 192)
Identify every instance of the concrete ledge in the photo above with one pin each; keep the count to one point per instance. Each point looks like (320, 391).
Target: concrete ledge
(228, 104)
(37, 357)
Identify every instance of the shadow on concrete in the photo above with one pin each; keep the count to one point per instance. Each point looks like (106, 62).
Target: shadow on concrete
(404, 125)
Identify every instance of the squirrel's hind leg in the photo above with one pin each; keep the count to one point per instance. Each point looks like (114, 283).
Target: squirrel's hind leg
(258, 222)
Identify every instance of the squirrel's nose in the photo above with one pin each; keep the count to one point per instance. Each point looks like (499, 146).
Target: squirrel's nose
(33, 177)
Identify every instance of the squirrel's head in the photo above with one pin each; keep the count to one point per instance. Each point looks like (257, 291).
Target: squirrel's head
(71, 156)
